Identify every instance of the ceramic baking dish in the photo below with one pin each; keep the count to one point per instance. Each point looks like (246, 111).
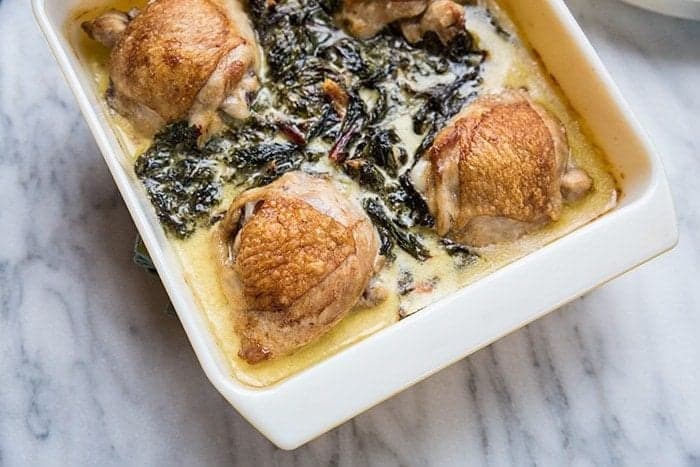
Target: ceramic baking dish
(304, 406)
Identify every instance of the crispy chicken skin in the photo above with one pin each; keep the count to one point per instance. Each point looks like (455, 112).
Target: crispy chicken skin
(294, 258)
(366, 18)
(178, 59)
(498, 171)
(443, 17)
(110, 26)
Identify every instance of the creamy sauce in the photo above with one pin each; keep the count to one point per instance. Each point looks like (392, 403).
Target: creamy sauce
(94, 57)
(510, 64)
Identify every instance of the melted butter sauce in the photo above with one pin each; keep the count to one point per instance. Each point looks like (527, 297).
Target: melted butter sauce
(510, 64)
(95, 57)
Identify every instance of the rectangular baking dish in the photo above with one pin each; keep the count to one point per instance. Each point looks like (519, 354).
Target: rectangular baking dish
(321, 397)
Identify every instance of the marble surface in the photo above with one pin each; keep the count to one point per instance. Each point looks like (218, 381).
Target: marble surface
(93, 373)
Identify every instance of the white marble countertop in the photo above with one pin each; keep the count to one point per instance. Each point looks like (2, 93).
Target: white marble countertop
(93, 373)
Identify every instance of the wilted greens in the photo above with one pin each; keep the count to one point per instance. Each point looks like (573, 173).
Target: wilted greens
(295, 121)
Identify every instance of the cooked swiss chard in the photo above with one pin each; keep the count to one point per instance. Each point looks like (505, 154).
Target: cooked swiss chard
(182, 185)
(396, 231)
(462, 254)
(324, 94)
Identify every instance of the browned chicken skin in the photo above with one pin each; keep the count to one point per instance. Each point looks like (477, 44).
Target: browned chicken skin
(178, 59)
(366, 18)
(498, 171)
(109, 27)
(295, 257)
(443, 17)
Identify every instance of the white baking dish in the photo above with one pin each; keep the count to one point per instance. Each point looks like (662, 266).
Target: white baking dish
(304, 406)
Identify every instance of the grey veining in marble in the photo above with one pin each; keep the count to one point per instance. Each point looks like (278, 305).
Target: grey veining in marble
(93, 373)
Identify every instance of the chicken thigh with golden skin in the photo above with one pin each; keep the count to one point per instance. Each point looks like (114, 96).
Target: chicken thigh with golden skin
(366, 18)
(443, 17)
(179, 59)
(501, 169)
(294, 258)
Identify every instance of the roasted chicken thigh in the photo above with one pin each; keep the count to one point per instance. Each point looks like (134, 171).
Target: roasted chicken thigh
(499, 170)
(179, 59)
(366, 18)
(295, 257)
(445, 18)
